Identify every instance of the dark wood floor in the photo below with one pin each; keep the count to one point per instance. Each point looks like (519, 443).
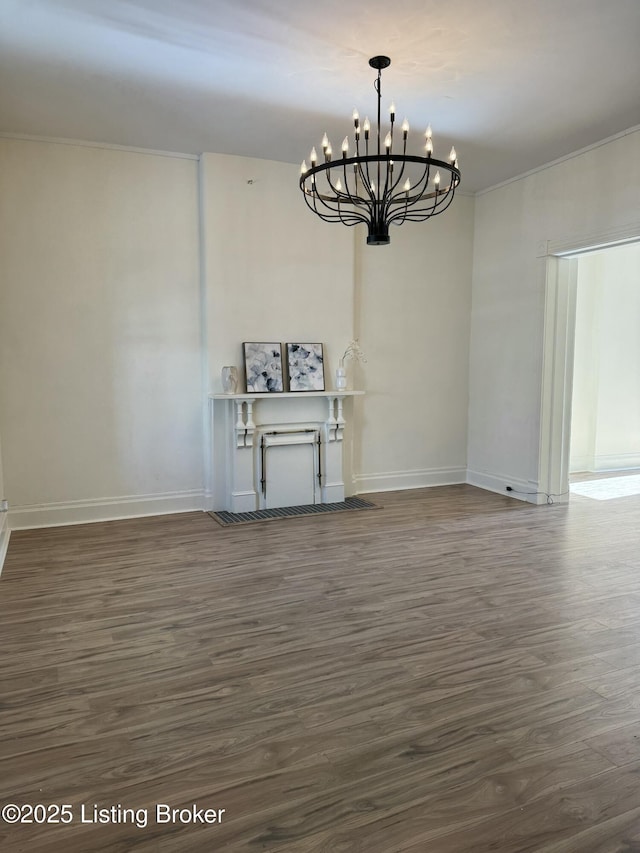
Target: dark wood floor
(456, 672)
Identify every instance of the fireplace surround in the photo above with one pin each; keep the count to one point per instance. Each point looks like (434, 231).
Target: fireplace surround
(275, 450)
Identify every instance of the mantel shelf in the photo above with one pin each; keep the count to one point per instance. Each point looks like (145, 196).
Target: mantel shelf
(286, 395)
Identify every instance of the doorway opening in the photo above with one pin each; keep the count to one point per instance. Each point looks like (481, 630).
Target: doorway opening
(604, 458)
(590, 417)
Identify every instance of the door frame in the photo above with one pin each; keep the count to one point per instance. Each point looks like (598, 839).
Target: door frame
(558, 351)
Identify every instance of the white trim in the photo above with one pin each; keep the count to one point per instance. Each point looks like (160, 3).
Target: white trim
(104, 509)
(285, 395)
(563, 159)
(5, 534)
(594, 242)
(108, 146)
(607, 462)
(523, 490)
(391, 481)
(205, 371)
(557, 374)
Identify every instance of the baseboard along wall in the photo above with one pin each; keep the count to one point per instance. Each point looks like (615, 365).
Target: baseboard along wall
(104, 509)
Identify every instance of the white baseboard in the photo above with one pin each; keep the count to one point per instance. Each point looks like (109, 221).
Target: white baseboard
(104, 509)
(600, 464)
(616, 462)
(391, 481)
(523, 490)
(5, 533)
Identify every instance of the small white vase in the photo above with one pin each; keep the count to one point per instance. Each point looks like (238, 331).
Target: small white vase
(230, 379)
(341, 378)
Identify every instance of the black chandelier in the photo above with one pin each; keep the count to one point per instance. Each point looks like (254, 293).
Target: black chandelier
(382, 188)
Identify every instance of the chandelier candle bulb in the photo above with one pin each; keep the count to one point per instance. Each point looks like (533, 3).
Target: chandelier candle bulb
(383, 191)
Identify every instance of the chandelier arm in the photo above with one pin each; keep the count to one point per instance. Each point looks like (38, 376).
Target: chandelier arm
(438, 197)
(417, 217)
(312, 197)
(334, 214)
(389, 171)
(347, 191)
(328, 201)
(441, 193)
(340, 195)
(389, 194)
(421, 214)
(335, 217)
(331, 208)
(349, 196)
(403, 162)
(408, 199)
(412, 210)
(366, 180)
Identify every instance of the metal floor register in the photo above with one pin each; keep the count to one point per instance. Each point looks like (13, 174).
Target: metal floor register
(225, 518)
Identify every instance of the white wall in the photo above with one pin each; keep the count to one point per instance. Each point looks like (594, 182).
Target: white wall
(100, 360)
(414, 312)
(593, 193)
(273, 270)
(107, 344)
(276, 272)
(605, 420)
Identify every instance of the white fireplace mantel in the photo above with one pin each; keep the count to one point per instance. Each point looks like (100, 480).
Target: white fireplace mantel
(306, 431)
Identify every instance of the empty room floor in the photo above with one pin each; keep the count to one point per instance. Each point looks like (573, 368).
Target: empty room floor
(453, 672)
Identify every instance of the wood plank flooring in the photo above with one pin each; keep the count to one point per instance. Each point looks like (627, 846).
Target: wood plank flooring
(456, 672)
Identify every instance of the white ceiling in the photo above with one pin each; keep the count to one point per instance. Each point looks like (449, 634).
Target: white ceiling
(514, 84)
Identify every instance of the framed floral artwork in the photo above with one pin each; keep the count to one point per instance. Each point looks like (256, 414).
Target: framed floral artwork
(305, 366)
(263, 367)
